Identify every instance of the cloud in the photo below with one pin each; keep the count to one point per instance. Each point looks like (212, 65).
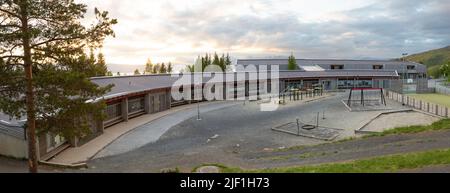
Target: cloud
(181, 30)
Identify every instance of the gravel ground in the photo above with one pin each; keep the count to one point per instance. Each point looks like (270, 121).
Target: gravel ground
(232, 134)
(403, 119)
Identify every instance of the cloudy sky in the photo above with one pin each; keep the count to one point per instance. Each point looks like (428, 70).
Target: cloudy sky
(179, 30)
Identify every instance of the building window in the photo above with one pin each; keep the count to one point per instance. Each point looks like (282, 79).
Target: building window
(136, 105)
(54, 141)
(113, 111)
(345, 84)
(377, 67)
(337, 67)
(411, 67)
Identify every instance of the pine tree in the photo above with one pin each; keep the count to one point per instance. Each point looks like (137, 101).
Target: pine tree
(109, 73)
(163, 69)
(228, 60)
(169, 68)
(292, 63)
(148, 67)
(136, 72)
(101, 68)
(41, 43)
(216, 60)
(156, 69)
(222, 64)
(190, 68)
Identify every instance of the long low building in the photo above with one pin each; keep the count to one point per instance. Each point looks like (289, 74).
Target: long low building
(133, 96)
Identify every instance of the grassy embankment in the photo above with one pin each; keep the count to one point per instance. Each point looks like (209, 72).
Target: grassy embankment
(383, 164)
(391, 163)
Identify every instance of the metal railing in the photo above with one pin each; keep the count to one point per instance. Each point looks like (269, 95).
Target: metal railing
(441, 87)
(435, 109)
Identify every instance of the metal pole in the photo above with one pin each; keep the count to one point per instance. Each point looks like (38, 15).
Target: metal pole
(318, 115)
(298, 127)
(198, 110)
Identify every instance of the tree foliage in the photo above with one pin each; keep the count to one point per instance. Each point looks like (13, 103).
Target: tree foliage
(203, 63)
(163, 69)
(445, 70)
(48, 37)
(169, 68)
(148, 67)
(292, 63)
(136, 72)
(159, 68)
(156, 68)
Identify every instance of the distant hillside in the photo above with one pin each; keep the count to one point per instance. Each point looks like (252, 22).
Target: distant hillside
(433, 59)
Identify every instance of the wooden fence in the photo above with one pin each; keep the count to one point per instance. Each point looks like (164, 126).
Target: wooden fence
(439, 110)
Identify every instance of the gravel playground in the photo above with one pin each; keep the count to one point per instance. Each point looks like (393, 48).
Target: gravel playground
(227, 135)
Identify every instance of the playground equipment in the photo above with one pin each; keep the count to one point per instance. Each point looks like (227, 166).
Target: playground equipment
(366, 97)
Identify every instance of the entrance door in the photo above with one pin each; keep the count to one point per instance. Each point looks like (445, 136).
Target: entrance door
(152, 104)
(157, 104)
(327, 85)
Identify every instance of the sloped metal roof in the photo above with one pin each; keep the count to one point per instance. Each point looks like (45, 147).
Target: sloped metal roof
(11, 127)
(326, 63)
(124, 85)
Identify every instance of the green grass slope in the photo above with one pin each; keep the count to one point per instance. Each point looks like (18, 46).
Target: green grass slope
(433, 59)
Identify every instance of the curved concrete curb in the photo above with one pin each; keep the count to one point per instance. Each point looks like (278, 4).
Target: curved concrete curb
(65, 166)
(362, 131)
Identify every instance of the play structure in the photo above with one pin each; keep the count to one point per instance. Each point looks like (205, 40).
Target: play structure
(366, 97)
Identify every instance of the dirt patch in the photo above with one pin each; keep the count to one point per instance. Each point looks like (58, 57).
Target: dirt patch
(400, 119)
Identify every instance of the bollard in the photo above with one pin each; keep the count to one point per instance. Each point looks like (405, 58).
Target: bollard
(298, 127)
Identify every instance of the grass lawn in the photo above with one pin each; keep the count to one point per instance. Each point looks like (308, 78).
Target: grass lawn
(440, 125)
(434, 98)
(383, 164)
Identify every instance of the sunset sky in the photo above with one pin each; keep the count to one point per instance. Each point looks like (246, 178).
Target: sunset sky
(179, 30)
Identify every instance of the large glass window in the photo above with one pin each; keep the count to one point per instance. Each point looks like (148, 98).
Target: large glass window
(344, 84)
(411, 67)
(113, 111)
(337, 67)
(136, 105)
(378, 67)
(54, 141)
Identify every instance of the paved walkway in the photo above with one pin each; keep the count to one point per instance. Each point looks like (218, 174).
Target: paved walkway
(152, 131)
(121, 132)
